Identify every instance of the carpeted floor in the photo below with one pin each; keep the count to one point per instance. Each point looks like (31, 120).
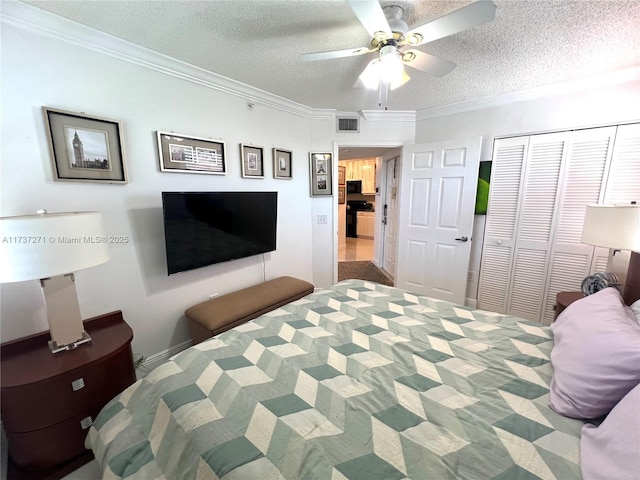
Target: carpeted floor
(362, 270)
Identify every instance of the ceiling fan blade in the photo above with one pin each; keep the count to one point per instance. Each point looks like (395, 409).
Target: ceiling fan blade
(350, 52)
(435, 66)
(371, 16)
(467, 17)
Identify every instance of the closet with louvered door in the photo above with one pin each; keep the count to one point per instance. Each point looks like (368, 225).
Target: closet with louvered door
(583, 174)
(497, 252)
(534, 229)
(540, 186)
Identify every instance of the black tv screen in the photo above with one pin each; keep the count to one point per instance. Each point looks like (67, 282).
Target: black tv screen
(203, 228)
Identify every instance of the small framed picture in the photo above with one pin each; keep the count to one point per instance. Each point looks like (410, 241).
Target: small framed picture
(252, 158)
(85, 149)
(320, 168)
(342, 193)
(282, 164)
(342, 174)
(187, 154)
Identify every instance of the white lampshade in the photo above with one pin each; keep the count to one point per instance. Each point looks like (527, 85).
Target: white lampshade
(50, 244)
(387, 69)
(612, 226)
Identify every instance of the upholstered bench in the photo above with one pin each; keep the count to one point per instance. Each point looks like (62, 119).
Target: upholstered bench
(214, 316)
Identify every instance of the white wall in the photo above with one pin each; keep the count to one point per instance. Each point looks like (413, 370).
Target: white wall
(39, 69)
(608, 105)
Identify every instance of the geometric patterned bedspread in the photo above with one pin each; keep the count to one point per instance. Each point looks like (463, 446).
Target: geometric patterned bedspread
(356, 381)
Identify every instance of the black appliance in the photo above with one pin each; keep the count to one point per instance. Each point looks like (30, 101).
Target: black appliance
(354, 186)
(203, 228)
(353, 207)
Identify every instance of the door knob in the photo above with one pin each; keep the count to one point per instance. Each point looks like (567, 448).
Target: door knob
(462, 239)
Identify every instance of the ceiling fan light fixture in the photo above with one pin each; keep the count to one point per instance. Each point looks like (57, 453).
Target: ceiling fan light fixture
(399, 80)
(389, 33)
(391, 67)
(370, 77)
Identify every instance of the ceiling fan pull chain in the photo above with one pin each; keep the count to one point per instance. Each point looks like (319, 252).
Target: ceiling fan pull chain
(383, 95)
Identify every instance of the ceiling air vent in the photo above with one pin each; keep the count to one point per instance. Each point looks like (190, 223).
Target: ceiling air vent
(348, 124)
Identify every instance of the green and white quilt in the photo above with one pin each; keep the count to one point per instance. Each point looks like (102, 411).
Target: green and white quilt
(357, 381)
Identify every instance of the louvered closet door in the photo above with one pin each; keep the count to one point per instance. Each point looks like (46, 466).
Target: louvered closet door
(539, 198)
(587, 160)
(540, 188)
(623, 182)
(502, 213)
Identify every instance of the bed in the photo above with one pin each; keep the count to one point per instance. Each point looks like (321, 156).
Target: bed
(356, 381)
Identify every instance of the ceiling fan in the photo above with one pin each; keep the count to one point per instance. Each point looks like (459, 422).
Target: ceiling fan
(391, 36)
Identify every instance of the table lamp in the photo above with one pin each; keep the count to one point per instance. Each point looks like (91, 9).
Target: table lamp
(617, 227)
(50, 247)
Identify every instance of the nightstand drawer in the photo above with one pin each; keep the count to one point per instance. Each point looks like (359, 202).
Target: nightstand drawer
(47, 399)
(47, 447)
(49, 402)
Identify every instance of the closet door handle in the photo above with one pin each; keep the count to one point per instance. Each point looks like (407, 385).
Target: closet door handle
(462, 239)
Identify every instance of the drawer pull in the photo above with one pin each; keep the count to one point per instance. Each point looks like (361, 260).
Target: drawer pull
(86, 422)
(77, 384)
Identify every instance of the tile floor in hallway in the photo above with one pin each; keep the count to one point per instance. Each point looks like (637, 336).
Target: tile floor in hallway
(357, 249)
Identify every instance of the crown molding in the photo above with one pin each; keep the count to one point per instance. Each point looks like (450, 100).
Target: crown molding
(28, 18)
(570, 86)
(388, 115)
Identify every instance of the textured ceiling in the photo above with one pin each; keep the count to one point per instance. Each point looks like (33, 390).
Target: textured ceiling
(259, 42)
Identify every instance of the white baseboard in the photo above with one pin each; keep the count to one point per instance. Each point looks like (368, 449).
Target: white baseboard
(471, 302)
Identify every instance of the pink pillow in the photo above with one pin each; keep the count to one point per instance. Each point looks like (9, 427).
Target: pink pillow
(595, 357)
(612, 450)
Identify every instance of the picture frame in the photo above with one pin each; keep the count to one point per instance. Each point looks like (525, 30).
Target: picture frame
(320, 167)
(342, 175)
(252, 161)
(189, 154)
(282, 164)
(85, 148)
(342, 194)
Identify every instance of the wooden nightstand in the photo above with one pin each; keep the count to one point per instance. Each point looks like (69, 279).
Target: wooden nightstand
(49, 401)
(564, 299)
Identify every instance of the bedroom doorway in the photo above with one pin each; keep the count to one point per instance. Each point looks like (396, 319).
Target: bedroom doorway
(359, 231)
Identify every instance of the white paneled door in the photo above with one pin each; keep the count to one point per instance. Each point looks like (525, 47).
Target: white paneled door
(439, 182)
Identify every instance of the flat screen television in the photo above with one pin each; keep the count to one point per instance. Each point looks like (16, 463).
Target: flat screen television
(203, 228)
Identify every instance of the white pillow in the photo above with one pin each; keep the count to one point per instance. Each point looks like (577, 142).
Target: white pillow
(595, 356)
(612, 450)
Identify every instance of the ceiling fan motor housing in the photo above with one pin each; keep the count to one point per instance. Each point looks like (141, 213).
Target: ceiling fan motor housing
(394, 18)
(398, 27)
